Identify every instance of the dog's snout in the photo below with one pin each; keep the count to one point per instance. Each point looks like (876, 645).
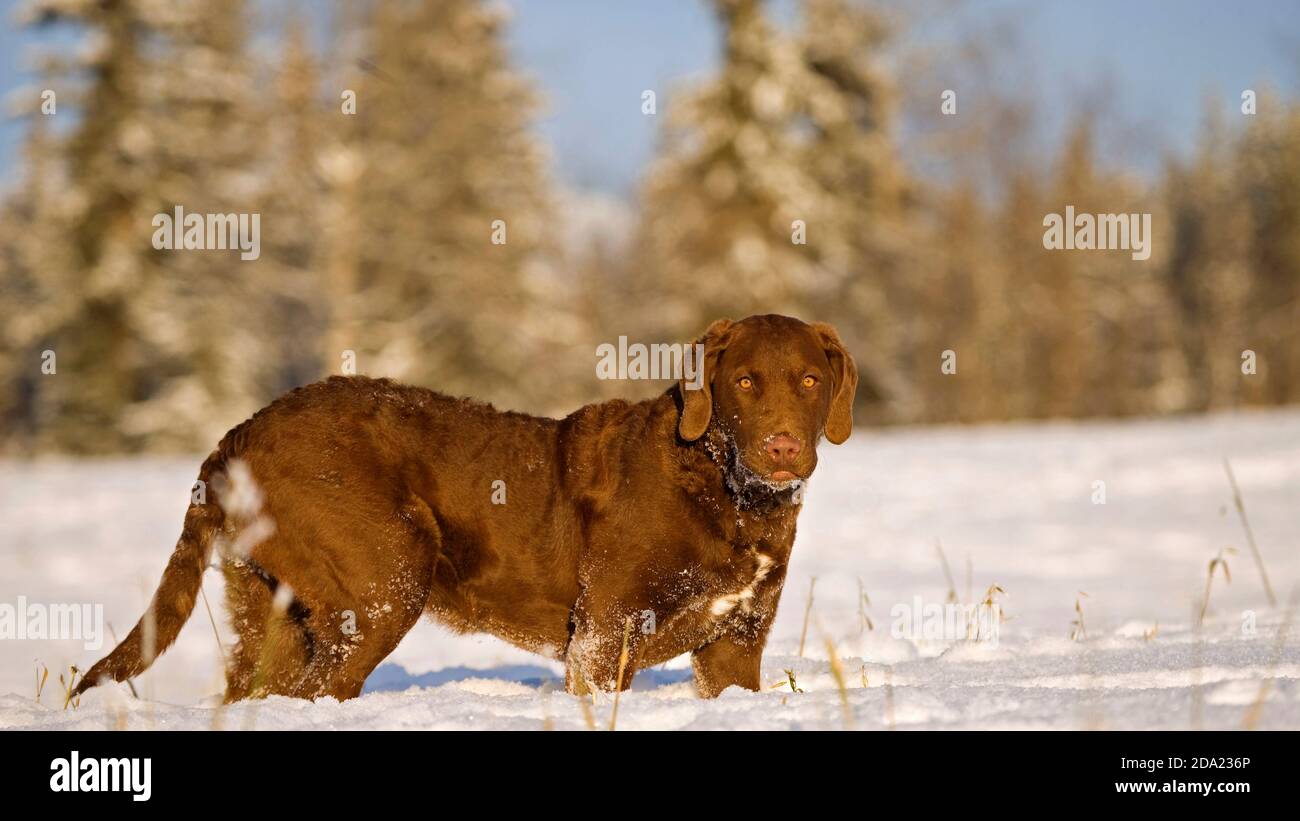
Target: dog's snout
(783, 449)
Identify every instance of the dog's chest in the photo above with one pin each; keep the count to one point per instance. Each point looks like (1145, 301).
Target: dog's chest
(697, 603)
(721, 604)
(741, 571)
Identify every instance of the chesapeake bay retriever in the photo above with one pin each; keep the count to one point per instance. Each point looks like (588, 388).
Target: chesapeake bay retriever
(668, 521)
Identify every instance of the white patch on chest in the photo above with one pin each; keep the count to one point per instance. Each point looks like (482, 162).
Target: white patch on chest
(725, 604)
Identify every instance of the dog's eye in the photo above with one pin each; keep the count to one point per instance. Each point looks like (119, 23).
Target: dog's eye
(810, 381)
(745, 383)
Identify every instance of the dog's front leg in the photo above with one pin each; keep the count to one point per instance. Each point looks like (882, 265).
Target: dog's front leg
(596, 652)
(724, 662)
(735, 656)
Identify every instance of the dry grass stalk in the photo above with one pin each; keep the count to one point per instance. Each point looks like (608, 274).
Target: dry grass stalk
(622, 668)
(280, 603)
(837, 673)
(970, 579)
(807, 613)
(789, 676)
(947, 572)
(990, 601)
(1250, 535)
(588, 716)
(42, 675)
(864, 620)
(1077, 629)
(788, 681)
(1218, 561)
(221, 650)
(1251, 720)
(67, 688)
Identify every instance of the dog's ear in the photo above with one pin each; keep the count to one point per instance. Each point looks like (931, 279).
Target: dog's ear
(844, 383)
(697, 399)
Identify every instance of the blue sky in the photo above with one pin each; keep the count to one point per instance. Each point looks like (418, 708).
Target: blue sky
(1156, 59)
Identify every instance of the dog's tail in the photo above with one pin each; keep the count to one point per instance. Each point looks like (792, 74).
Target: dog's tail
(175, 597)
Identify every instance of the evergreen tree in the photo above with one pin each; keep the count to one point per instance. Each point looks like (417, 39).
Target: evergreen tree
(208, 125)
(29, 241)
(869, 240)
(1268, 167)
(1206, 272)
(148, 342)
(293, 295)
(449, 204)
(721, 202)
(88, 320)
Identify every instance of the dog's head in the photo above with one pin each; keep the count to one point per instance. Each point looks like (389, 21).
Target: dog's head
(771, 386)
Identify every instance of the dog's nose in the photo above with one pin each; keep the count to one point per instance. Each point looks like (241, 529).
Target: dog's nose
(783, 449)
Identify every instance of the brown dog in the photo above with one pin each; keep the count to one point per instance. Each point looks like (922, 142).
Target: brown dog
(669, 521)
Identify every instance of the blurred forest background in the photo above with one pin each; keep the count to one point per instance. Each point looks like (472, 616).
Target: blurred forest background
(376, 227)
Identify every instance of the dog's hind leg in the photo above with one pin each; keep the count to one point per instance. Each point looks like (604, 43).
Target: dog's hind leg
(275, 644)
(248, 602)
(349, 649)
(353, 636)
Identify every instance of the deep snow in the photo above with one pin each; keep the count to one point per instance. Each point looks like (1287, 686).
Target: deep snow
(1016, 501)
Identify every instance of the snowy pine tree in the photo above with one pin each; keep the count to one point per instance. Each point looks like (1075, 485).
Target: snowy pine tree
(721, 203)
(148, 343)
(445, 184)
(294, 297)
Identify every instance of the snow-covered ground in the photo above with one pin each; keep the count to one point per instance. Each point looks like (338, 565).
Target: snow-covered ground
(1019, 503)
